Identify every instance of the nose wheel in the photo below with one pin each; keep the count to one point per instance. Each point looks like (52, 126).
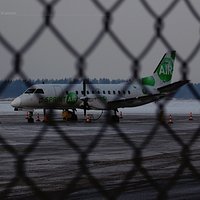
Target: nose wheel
(30, 117)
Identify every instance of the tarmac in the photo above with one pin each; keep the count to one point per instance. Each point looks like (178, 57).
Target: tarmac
(139, 158)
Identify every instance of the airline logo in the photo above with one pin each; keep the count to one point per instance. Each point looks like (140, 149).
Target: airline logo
(72, 98)
(166, 69)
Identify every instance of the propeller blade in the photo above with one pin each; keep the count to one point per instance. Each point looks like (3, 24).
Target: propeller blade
(85, 101)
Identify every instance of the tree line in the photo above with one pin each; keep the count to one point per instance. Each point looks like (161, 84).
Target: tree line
(13, 88)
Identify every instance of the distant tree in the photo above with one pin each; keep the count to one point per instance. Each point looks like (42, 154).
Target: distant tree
(94, 81)
(104, 81)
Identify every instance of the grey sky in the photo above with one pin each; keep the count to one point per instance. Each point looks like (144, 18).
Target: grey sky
(80, 21)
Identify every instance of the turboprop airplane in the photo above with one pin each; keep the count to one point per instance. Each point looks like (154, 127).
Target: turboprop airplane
(101, 96)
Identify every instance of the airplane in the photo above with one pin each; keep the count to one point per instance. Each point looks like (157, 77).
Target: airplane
(101, 96)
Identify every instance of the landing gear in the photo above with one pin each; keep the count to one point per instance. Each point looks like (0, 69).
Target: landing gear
(45, 116)
(30, 117)
(114, 118)
(74, 116)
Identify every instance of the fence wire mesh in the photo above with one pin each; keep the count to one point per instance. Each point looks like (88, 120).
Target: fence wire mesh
(137, 161)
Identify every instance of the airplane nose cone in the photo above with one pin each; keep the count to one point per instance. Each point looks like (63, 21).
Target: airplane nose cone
(16, 102)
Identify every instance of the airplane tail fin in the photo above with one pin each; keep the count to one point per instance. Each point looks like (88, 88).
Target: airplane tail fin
(163, 73)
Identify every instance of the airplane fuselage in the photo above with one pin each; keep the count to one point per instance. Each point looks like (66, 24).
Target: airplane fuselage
(66, 96)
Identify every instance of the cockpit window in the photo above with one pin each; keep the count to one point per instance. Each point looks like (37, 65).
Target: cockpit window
(30, 91)
(39, 91)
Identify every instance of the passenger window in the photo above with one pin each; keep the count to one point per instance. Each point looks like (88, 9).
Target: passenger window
(113, 92)
(76, 92)
(66, 92)
(124, 92)
(119, 92)
(108, 91)
(39, 91)
(88, 92)
(92, 91)
(129, 92)
(104, 92)
(98, 92)
(30, 91)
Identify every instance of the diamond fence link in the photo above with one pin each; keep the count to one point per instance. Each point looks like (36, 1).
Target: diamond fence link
(81, 59)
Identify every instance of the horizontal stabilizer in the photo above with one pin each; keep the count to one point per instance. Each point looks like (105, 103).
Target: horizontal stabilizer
(133, 102)
(172, 87)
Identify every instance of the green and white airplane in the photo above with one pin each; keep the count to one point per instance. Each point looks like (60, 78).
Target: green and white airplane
(102, 96)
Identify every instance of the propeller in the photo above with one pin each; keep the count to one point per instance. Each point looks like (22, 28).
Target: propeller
(85, 100)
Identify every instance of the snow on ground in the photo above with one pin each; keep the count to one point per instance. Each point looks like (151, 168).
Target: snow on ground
(173, 106)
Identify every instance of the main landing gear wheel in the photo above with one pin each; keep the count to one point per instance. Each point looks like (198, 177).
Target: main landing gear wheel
(114, 118)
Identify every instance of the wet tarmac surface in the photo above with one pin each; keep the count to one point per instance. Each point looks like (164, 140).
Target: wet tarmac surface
(135, 159)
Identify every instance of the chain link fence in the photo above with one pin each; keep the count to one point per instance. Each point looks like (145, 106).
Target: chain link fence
(81, 66)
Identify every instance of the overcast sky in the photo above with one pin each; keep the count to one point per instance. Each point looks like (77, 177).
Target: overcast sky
(80, 22)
